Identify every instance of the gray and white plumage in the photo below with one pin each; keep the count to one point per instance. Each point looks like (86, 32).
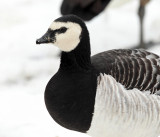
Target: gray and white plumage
(127, 100)
(111, 94)
(132, 68)
(119, 112)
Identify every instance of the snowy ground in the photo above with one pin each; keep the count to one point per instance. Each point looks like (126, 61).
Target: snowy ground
(27, 67)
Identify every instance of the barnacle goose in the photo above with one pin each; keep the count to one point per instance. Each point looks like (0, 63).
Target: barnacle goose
(86, 10)
(89, 9)
(111, 94)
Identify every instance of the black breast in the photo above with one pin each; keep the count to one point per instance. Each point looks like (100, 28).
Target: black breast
(70, 98)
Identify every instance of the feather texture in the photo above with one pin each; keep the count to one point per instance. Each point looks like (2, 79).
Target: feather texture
(124, 113)
(132, 68)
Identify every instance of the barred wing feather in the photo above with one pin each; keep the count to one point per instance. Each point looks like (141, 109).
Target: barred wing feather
(132, 68)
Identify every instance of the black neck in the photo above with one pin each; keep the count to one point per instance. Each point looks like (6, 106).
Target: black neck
(79, 58)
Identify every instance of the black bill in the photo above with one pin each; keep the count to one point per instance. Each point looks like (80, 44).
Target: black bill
(48, 37)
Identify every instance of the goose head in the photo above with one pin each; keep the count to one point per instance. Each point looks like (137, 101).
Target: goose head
(65, 32)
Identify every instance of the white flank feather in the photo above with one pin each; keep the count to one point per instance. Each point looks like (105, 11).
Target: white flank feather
(124, 113)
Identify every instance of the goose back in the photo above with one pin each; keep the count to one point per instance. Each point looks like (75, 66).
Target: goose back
(132, 68)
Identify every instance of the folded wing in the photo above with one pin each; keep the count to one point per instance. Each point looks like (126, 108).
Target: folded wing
(132, 68)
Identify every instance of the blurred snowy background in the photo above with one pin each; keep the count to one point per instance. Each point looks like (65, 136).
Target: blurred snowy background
(25, 67)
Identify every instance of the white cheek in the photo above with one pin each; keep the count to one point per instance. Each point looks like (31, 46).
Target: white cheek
(69, 40)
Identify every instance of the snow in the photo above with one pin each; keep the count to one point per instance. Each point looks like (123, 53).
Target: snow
(27, 67)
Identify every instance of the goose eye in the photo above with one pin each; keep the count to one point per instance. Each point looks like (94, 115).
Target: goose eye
(62, 30)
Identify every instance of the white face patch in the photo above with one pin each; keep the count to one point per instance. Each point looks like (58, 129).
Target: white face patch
(68, 40)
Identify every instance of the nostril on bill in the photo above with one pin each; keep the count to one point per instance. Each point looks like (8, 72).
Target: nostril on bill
(38, 41)
(42, 40)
